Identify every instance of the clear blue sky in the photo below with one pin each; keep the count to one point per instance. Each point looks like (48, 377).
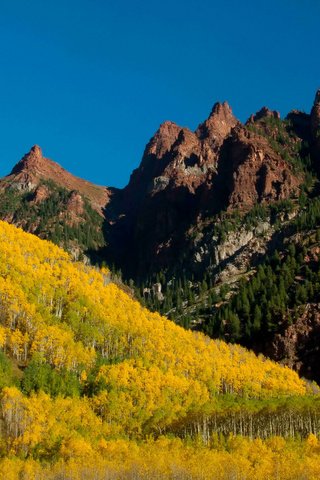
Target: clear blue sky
(91, 80)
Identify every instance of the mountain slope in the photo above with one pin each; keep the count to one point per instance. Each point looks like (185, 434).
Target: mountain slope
(202, 211)
(43, 198)
(92, 369)
(40, 285)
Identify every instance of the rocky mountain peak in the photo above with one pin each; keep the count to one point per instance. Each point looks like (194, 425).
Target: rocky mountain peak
(264, 112)
(219, 124)
(30, 161)
(221, 109)
(36, 150)
(30, 172)
(163, 139)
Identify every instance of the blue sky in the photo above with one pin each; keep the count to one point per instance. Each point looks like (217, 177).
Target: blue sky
(91, 80)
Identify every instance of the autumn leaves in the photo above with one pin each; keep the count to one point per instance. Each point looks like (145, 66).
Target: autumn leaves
(136, 376)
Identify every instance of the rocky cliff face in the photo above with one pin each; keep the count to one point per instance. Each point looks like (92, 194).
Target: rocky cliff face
(298, 345)
(251, 172)
(185, 175)
(177, 157)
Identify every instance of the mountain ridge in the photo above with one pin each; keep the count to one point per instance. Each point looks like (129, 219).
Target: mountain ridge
(33, 167)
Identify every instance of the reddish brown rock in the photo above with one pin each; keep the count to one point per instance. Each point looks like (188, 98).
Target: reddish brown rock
(177, 157)
(219, 124)
(74, 209)
(75, 204)
(40, 194)
(184, 175)
(34, 167)
(163, 140)
(251, 172)
(263, 113)
(299, 345)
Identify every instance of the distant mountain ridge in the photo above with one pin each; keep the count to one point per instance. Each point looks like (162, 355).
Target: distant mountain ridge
(33, 167)
(43, 198)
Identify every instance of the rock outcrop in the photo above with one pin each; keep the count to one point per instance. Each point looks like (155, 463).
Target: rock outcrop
(27, 174)
(251, 172)
(299, 345)
(218, 126)
(177, 157)
(263, 113)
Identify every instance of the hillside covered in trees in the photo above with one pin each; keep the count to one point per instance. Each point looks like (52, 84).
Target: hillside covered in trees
(204, 212)
(93, 385)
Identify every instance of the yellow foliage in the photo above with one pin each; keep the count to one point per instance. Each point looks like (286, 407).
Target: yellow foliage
(66, 312)
(153, 375)
(166, 459)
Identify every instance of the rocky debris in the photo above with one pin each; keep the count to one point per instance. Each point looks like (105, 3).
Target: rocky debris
(241, 244)
(299, 344)
(234, 242)
(33, 168)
